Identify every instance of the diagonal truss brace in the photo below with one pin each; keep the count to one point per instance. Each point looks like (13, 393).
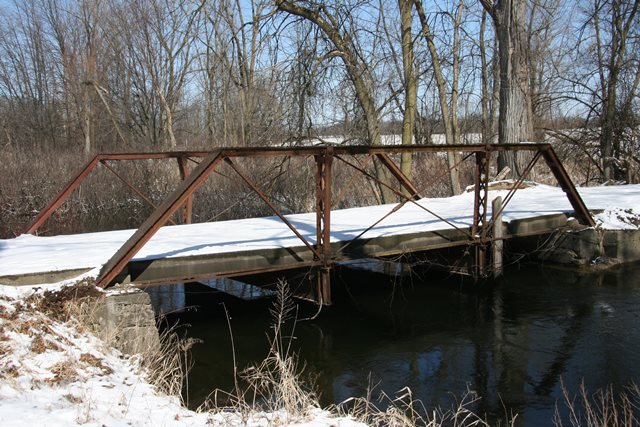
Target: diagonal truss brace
(158, 218)
(180, 198)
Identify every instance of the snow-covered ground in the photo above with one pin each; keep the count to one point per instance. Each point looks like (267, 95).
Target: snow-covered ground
(31, 254)
(51, 374)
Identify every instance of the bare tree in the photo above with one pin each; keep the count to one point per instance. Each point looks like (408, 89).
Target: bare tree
(332, 21)
(358, 70)
(490, 84)
(29, 81)
(448, 103)
(410, 82)
(614, 22)
(515, 114)
(160, 35)
(241, 71)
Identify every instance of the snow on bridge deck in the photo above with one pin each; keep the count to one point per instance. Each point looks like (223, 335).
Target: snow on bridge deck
(27, 254)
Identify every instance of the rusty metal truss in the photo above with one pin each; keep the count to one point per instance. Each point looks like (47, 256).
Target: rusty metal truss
(181, 199)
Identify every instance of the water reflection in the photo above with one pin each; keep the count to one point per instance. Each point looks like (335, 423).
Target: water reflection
(512, 343)
(167, 299)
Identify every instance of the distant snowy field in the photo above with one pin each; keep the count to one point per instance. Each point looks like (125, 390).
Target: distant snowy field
(30, 254)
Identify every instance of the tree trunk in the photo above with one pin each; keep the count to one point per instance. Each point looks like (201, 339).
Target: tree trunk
(515, 116)
(447, 113)
(410, 84)
(622, 18)
(484, 69)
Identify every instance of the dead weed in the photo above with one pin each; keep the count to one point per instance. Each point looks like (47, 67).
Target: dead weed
(96, 362)
(27, 327)
(56, 304)
(41, 343)
(4, 349)
(73, 399)
(9, 371)
(38, 344)
(63, 372)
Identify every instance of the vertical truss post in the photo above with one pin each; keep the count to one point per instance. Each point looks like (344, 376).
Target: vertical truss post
(480, 201)
(187, 209)
(323, 224)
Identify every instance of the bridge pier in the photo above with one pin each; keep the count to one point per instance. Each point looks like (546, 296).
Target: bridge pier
(497, 235)
(324, 286)
(125, 319)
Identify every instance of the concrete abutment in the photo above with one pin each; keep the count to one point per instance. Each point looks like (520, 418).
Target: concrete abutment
(125, 320)
(592, 248)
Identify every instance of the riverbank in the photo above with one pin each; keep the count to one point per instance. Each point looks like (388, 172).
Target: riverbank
(52, 372)
(55, 373)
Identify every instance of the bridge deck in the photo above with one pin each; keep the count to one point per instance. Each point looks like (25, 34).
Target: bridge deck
(226, 248)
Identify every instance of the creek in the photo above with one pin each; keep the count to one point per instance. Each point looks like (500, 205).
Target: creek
(515, 342)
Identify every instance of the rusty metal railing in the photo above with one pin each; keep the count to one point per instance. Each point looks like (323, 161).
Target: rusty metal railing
(182, 197)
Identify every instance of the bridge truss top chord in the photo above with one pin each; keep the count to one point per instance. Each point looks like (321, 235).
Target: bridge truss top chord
(404, 189)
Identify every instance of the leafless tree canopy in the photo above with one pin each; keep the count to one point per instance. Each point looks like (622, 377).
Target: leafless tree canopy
(84, 76)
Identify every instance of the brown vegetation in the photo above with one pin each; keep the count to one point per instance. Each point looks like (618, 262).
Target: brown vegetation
(604, 407)
(82, 77)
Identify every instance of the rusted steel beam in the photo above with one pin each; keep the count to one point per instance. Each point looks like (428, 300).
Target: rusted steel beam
(273, 208)
(187, 210)
(561, 175)
(158, 218)
(324, 155)
(159, 155)
(75, 182)
(62, 196)
(400, 176)
(403, 196)
(378, 149)
(131, 186)
(316, 150)
(323, 225)
(480, 202)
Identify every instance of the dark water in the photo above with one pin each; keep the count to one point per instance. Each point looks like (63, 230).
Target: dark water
(512, 342)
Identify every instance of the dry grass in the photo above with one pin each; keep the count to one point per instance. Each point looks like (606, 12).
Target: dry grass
(73, 399)
(38, 344)
(64, 372)
(604, 408)
(405, 411)
(274, 385)
(62, 305)
(167, 366)
(96, 362)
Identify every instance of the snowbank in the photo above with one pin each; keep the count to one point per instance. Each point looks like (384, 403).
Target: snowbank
(52, 374)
